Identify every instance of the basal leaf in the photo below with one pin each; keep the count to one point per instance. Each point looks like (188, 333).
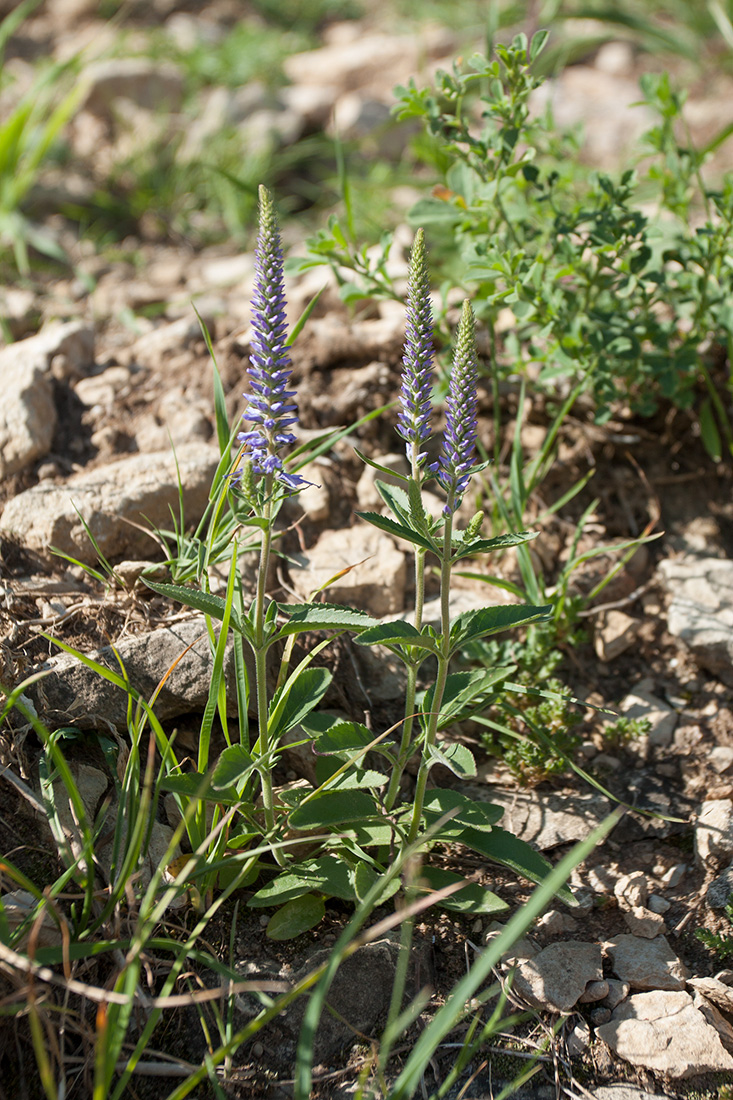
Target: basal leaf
(232, 767)
(471, 814)
(484, 621)
(473, 898)
(296, 917)
(333, 809)
(339, 736)
(507, 849)
(298, 880)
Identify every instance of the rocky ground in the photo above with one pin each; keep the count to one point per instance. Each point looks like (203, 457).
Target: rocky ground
(91, 403)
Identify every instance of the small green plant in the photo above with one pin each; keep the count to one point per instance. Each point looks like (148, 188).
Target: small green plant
(721, 943)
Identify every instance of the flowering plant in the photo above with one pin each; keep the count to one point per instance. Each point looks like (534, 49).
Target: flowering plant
(357, 813)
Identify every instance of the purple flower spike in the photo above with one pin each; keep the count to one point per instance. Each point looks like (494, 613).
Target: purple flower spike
(453, 470)
(413, 423)
(271, 409)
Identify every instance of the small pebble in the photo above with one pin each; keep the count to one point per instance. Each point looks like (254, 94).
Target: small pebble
(258, 1050)
(264, 920)
(578, 1040)
(594, 991)
(601, 880)
(604, 760)
(673, 876)
(618, 991)
(588, 750)
(657, 904)
(643, 922)
(633, 889)
(600, 1016)
(725, 976)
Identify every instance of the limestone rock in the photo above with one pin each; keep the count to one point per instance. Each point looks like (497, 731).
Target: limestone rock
(643, 922)
(714, 831)
(714, 990)
(375, 580)
(701, 610)
(616, 633)
(547, 819)
(152, 85)
(646, 964)
(664, 1032)
(663, 719)
(71, 693)
(556, 977)
(140, 488)
(28, 412)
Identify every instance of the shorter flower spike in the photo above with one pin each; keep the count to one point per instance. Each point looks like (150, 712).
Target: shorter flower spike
(270, 408)
(453, 469)
(413, 423)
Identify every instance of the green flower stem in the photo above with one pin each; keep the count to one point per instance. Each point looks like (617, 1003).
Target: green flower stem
(260, 654)
(405, 750)
(443, 662)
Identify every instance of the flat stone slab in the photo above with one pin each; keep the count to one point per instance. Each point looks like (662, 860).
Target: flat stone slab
(74, 694)
(647, 964)
(663, 1031)
(557, 977)
(544, 820)
(141, 489)
(701, 611)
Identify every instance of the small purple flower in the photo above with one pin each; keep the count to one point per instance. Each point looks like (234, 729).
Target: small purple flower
(270, 407)
(413, 423)
(453, 470)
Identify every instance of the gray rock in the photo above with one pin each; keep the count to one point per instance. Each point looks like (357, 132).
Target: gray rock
(594, 991)
(715, 1018)
(141, 489)
(618, 991)
(556, 977)
(643, 922)
(664, 1032)
(578, 1040)
(713, 989)
(714, 831)
(720, 889)
(373, 571)
(71, 693)
(632, 890)
(152, 85)
(721, 758)
(28, 413)
(615, 633)
(646, 964)
(625, 1092)
(663, 718)
(547, 819)
(701, 610)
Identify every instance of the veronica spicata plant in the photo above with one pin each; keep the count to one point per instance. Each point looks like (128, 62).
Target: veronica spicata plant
(354, 829)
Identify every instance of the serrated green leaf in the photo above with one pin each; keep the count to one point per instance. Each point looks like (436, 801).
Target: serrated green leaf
(505, 848)
(456, 757)
(484, 621)
(335, 734)
(376, 466)
(384, 523)
(214, 606)
(232, 767)
(487, 546)
(473, 898)
(334, 809)
(461, 690)
(321, 616)
(395, 498)
(396, 633)
(296, 917)
(471, 814)
(290, 707)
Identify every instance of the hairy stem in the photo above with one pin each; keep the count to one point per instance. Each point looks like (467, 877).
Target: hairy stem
(443, 662)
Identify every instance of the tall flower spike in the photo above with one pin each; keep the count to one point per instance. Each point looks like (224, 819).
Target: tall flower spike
(413, 423)
(270, 406)
(453, 470)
